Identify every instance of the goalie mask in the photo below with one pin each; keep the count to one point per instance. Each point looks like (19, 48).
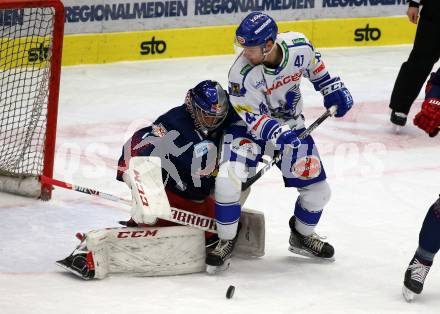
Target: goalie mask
(208, 105)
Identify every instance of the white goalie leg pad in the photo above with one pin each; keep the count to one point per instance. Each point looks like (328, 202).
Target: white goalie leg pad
(251, 239)
(148, 251)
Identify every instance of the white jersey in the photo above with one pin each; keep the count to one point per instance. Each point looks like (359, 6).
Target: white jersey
(266, 98)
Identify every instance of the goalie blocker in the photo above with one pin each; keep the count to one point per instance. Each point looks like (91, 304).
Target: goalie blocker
(156, 251)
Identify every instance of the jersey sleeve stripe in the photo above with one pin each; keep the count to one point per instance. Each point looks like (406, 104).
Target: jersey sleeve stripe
(269, 128)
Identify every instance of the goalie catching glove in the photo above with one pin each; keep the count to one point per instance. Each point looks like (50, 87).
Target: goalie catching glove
(428, 119)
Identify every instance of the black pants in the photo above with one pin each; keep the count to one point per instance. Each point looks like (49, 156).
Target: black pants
(414, 72)
(429, 237)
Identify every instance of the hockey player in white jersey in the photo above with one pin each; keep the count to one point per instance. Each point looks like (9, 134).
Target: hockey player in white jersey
(264, 88)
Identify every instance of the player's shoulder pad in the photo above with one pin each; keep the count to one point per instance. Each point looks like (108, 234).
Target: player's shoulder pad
(295, 39)
(238, 74)
(175, 113)
(176, 118)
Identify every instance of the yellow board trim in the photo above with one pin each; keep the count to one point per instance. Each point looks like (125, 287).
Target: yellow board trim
(24, 52)
(341, 33)
(113, 47)
(218, 40)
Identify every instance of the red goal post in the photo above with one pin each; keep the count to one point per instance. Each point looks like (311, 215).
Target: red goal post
(31, 40)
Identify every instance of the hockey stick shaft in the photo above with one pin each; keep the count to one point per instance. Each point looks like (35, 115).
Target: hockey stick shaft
(81, 189)
(179, 216)
(329, 112)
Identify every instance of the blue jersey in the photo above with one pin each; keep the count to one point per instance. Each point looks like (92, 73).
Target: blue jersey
(189, 159)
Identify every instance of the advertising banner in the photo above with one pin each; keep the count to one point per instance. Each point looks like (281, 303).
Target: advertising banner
(218, 40)
(104, 16)
(103, 31)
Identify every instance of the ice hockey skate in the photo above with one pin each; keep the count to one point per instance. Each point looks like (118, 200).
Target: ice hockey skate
(398, 120)
(415, 276)
(219, 259)
(310, 246)
(80, 264)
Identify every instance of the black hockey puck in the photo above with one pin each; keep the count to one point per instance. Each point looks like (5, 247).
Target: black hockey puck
(230, 292)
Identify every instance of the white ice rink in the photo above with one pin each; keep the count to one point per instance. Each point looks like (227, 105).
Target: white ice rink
(382, 186)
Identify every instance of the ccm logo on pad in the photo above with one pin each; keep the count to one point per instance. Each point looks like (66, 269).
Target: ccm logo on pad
(137, 234)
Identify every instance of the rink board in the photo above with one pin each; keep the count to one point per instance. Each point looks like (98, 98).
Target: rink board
(217, 40)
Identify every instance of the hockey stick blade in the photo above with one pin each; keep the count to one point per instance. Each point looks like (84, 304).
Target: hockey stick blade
(329, 112)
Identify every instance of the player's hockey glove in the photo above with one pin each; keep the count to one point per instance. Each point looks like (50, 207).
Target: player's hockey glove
(335, 93)
(428, 119)
(290, 138)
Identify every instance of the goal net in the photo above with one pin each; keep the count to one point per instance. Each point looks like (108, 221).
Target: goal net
(31, 34)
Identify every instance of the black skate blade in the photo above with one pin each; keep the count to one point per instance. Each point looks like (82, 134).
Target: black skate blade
(71, 270)
(310, 256)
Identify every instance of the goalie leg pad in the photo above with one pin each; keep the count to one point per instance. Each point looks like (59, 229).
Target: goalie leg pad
(251, 238)
(147, 251)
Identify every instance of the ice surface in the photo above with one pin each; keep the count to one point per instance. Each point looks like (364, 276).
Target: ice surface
(382, 186)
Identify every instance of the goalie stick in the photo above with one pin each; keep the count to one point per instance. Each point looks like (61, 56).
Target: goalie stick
(251, 242)
(245, 185)
(178, 215)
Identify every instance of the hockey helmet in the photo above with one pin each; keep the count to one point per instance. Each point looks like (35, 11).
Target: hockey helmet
(255, 30)
(208, 104)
